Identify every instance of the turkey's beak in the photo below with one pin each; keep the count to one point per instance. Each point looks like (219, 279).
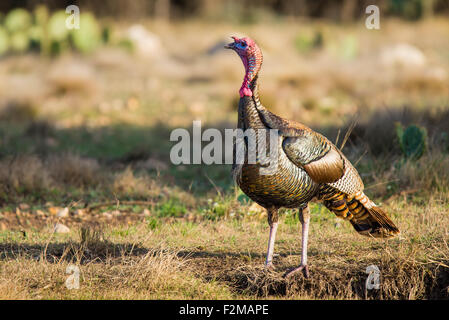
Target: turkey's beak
(230, 45)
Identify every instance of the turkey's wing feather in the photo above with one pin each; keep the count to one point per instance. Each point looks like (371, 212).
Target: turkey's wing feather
(315, 154)
(319, 159)
(328, 169)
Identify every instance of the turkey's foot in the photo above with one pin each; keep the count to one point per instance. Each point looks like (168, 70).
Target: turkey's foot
(269, 266)
(303, 268)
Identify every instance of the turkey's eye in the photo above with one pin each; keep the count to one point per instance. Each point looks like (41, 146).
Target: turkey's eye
(242, 45)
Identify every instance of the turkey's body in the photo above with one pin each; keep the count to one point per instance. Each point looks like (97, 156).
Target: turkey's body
(288, 186)
(309, 167)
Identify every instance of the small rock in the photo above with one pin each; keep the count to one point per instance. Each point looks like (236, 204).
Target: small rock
(190, 217)
(63, 213)
(145, 42)
(256, 208)
(79, 212)
(24, 206)
(116, 213)
(40, 213)
(60, 228)
(107, 215)
(54, 210)
(403, 54)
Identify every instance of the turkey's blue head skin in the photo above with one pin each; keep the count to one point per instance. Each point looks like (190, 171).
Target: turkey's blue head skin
(251, 56)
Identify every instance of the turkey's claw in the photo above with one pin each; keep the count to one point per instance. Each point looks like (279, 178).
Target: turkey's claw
(303, 268)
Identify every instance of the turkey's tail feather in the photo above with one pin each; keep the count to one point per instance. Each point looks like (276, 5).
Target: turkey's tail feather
(377, 224)
(366, 218)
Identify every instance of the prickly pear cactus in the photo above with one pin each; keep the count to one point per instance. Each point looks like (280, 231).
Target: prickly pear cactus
(88, 36)
(412, 140)
(41, 15)
(19, 42)
(21, 31)
(57, 29)
(4, 41)
(36, 35)
(18, 20)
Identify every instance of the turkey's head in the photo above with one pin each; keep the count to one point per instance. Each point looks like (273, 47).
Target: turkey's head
(251, 56)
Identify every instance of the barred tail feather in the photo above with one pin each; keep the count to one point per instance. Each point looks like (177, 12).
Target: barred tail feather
(386, 228)
(366, 218)
(369, 219)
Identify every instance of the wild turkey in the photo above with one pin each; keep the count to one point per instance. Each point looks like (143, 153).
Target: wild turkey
(309, 168)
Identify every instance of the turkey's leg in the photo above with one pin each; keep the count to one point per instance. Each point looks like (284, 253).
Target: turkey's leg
(273, 222)
(304, 217)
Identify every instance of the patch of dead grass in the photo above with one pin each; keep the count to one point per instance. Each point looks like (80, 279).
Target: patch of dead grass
(71, 169)
(107, 271)
(137, 185)
(25, 173)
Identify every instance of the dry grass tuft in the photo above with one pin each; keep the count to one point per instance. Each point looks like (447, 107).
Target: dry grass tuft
(17, 111)
(74, 170)
(24, 173)
(377, 130)
(256, 280)
(138, 185)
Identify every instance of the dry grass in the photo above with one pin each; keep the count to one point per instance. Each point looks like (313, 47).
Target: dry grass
(74, 170)
(108, 271)
(152, 276)
(30, 173)
(127, 182)
(26, 173)
(224, 260)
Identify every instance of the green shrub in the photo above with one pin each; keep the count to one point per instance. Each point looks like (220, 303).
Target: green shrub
(412, 140)
(41, 15)
(4, 40)
(306, 42)
(349, 47)
(57, 30)
(88, 37)
(171, 208)
(19, 42)
(18, 20)
(36, 36)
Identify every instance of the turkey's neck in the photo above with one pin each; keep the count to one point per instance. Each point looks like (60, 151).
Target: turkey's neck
(254, 86)
(249, 106)
(245, 89)
(252, 62)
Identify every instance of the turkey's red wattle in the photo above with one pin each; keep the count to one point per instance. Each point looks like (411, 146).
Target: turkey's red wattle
(252, 61)
(245, 91)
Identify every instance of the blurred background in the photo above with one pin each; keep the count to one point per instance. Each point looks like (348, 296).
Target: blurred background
(86, 114)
